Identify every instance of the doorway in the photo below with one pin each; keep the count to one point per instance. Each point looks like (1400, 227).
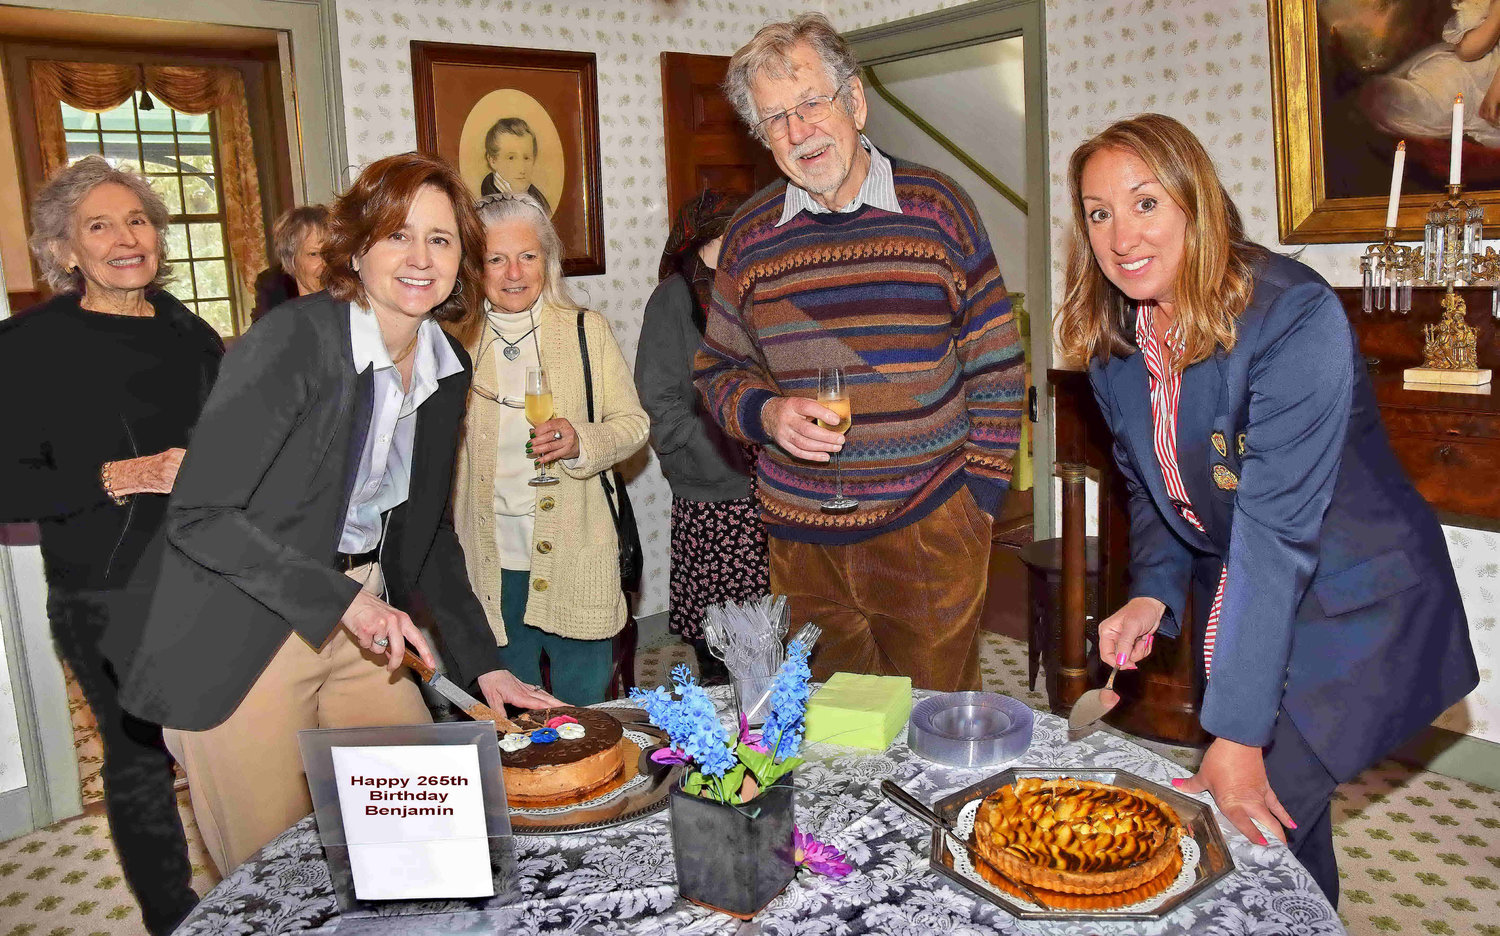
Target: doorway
(961, 90)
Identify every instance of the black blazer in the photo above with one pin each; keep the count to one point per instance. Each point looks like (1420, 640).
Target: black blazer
(254, 522)
(1341, 609)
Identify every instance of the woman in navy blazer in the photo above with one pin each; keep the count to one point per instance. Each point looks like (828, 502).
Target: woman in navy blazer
(1338, 631)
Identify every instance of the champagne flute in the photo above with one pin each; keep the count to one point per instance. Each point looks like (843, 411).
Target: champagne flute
(538, 410)
(833, 392)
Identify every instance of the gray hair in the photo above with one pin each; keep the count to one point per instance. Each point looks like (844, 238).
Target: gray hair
(292, 229)
(52, 219)
(769, 53)
(506, 206)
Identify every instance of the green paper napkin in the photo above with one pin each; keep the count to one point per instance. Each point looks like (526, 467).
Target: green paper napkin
(859, 711)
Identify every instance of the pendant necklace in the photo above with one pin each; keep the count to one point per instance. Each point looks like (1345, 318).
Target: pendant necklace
(511, 351)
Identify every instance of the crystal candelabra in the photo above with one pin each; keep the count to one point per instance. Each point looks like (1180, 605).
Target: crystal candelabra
(1449, 256)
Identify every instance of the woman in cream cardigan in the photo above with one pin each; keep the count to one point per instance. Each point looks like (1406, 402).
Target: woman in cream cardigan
(544, 561)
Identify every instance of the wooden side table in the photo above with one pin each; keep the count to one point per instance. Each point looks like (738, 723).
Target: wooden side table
(1044, 564)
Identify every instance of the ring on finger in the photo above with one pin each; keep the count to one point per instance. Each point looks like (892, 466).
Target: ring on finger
(557, 435)
(382, 642)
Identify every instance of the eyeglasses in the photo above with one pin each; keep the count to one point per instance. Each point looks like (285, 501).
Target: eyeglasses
(811, 111)
(512, 402)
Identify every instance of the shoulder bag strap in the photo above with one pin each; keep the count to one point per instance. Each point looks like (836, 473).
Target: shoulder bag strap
(588, 395)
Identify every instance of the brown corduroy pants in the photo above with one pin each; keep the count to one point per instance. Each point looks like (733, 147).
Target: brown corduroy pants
(904, 603)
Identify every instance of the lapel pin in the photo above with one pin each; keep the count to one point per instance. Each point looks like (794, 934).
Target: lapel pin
(1239, 443)
(1225, 479)
(1219, 444)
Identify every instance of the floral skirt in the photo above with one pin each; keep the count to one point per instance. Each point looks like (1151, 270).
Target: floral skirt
(718, 555)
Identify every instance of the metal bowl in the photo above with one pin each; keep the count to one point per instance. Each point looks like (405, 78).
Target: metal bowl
(970, 729)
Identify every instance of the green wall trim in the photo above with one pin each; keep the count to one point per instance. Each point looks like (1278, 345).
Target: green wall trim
(957, 151)
(1454, 755)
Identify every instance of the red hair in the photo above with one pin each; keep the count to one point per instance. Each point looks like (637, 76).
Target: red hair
(376, 206)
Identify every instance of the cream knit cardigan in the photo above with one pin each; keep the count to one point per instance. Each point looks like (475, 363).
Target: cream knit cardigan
(575, 570)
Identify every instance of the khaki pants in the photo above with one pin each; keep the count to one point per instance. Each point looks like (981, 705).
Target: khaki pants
(245, 775)
(904, 603)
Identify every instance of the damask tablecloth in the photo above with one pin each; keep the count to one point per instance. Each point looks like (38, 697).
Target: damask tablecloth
(621, 880)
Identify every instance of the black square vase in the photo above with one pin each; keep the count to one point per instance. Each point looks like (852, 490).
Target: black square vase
(734, 859)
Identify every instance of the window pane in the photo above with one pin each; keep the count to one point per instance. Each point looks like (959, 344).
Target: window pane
(160, 151)
(75, 119)
(219, 315)
(121, 118)
(212, 281)
(182, 280)
(192, 123)
(177, 244)
(123, 150)
(170, 190)
(197, 151)
(158, 119)
(198, 195)
(81, 145)
(208, 240)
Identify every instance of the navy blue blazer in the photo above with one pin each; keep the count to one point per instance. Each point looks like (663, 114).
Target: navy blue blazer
(1341, 609)
(254, 520)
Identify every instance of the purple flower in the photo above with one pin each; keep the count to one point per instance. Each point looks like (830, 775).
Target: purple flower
(669, 755)
(818, 857)
(751, 739)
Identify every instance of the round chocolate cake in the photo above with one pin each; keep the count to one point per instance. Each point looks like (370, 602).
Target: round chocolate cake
(552, 769)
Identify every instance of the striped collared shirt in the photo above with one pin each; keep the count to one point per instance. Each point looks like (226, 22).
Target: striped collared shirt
(878, 190)
(1166, 393)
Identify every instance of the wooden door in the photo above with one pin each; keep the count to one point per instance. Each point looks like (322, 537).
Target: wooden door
(707, 146)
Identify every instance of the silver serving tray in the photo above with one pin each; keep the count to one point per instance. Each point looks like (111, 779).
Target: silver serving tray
(1214, 864)
(650, 798)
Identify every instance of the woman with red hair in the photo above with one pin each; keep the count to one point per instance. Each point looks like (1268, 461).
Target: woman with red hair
(313, 507)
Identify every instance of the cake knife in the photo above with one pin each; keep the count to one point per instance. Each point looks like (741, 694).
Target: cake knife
(928, 815)
(445, 687)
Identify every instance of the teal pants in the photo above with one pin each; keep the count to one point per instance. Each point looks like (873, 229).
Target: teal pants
(579, 668)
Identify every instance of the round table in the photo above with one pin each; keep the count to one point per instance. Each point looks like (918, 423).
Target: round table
(621, 880)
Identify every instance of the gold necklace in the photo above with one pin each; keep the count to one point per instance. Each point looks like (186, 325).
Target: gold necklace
(410, 346)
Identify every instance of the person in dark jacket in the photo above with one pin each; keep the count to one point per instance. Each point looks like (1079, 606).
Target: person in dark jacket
(113, 372)
(298, 238)
(718, 540)
(1260, 475)
(313, 508)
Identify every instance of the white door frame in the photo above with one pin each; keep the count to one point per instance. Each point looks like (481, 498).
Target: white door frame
(974, 24)
(315, 130)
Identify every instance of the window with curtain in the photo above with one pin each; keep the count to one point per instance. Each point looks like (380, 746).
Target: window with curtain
(175, 151)
(195, 147)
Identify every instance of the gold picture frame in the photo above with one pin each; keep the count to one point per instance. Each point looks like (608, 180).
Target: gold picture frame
(1329, 137)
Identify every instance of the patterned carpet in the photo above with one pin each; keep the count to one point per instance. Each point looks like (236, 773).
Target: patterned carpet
(1419, 853)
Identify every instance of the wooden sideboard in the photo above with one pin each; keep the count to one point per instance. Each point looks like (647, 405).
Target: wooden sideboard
(1449, 443)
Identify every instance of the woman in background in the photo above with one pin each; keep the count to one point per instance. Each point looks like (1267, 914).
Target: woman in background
(544, 561)
(718, 541)
(298, 238)
(114, 372)
(1259, 472)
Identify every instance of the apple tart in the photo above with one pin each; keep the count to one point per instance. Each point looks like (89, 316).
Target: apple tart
(1079, 837)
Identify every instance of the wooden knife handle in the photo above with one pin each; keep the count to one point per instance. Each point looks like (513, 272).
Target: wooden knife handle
(417, 666)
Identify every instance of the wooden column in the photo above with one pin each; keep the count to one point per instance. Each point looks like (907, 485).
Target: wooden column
(1073, 674)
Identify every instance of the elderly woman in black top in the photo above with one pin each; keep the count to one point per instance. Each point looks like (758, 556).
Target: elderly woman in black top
(113, 372)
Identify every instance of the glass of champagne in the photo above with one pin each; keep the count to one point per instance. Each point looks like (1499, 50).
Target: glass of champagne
(833, 392)
(538, 410)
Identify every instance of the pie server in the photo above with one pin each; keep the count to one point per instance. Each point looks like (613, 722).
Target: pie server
(922, 811)
(445, 687)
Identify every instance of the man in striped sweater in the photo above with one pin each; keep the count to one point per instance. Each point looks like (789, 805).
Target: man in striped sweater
(882, 268)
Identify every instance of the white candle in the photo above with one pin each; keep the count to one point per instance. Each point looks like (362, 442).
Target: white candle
(1396, 172)
(1455, 155)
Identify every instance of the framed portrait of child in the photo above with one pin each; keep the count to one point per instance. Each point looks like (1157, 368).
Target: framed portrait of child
(1353, 78)
(519, 120)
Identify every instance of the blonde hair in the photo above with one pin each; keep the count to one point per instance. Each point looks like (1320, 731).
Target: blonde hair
(1214, 283)
(770, 51)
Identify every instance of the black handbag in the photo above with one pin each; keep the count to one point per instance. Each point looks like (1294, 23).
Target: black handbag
(632, 560)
